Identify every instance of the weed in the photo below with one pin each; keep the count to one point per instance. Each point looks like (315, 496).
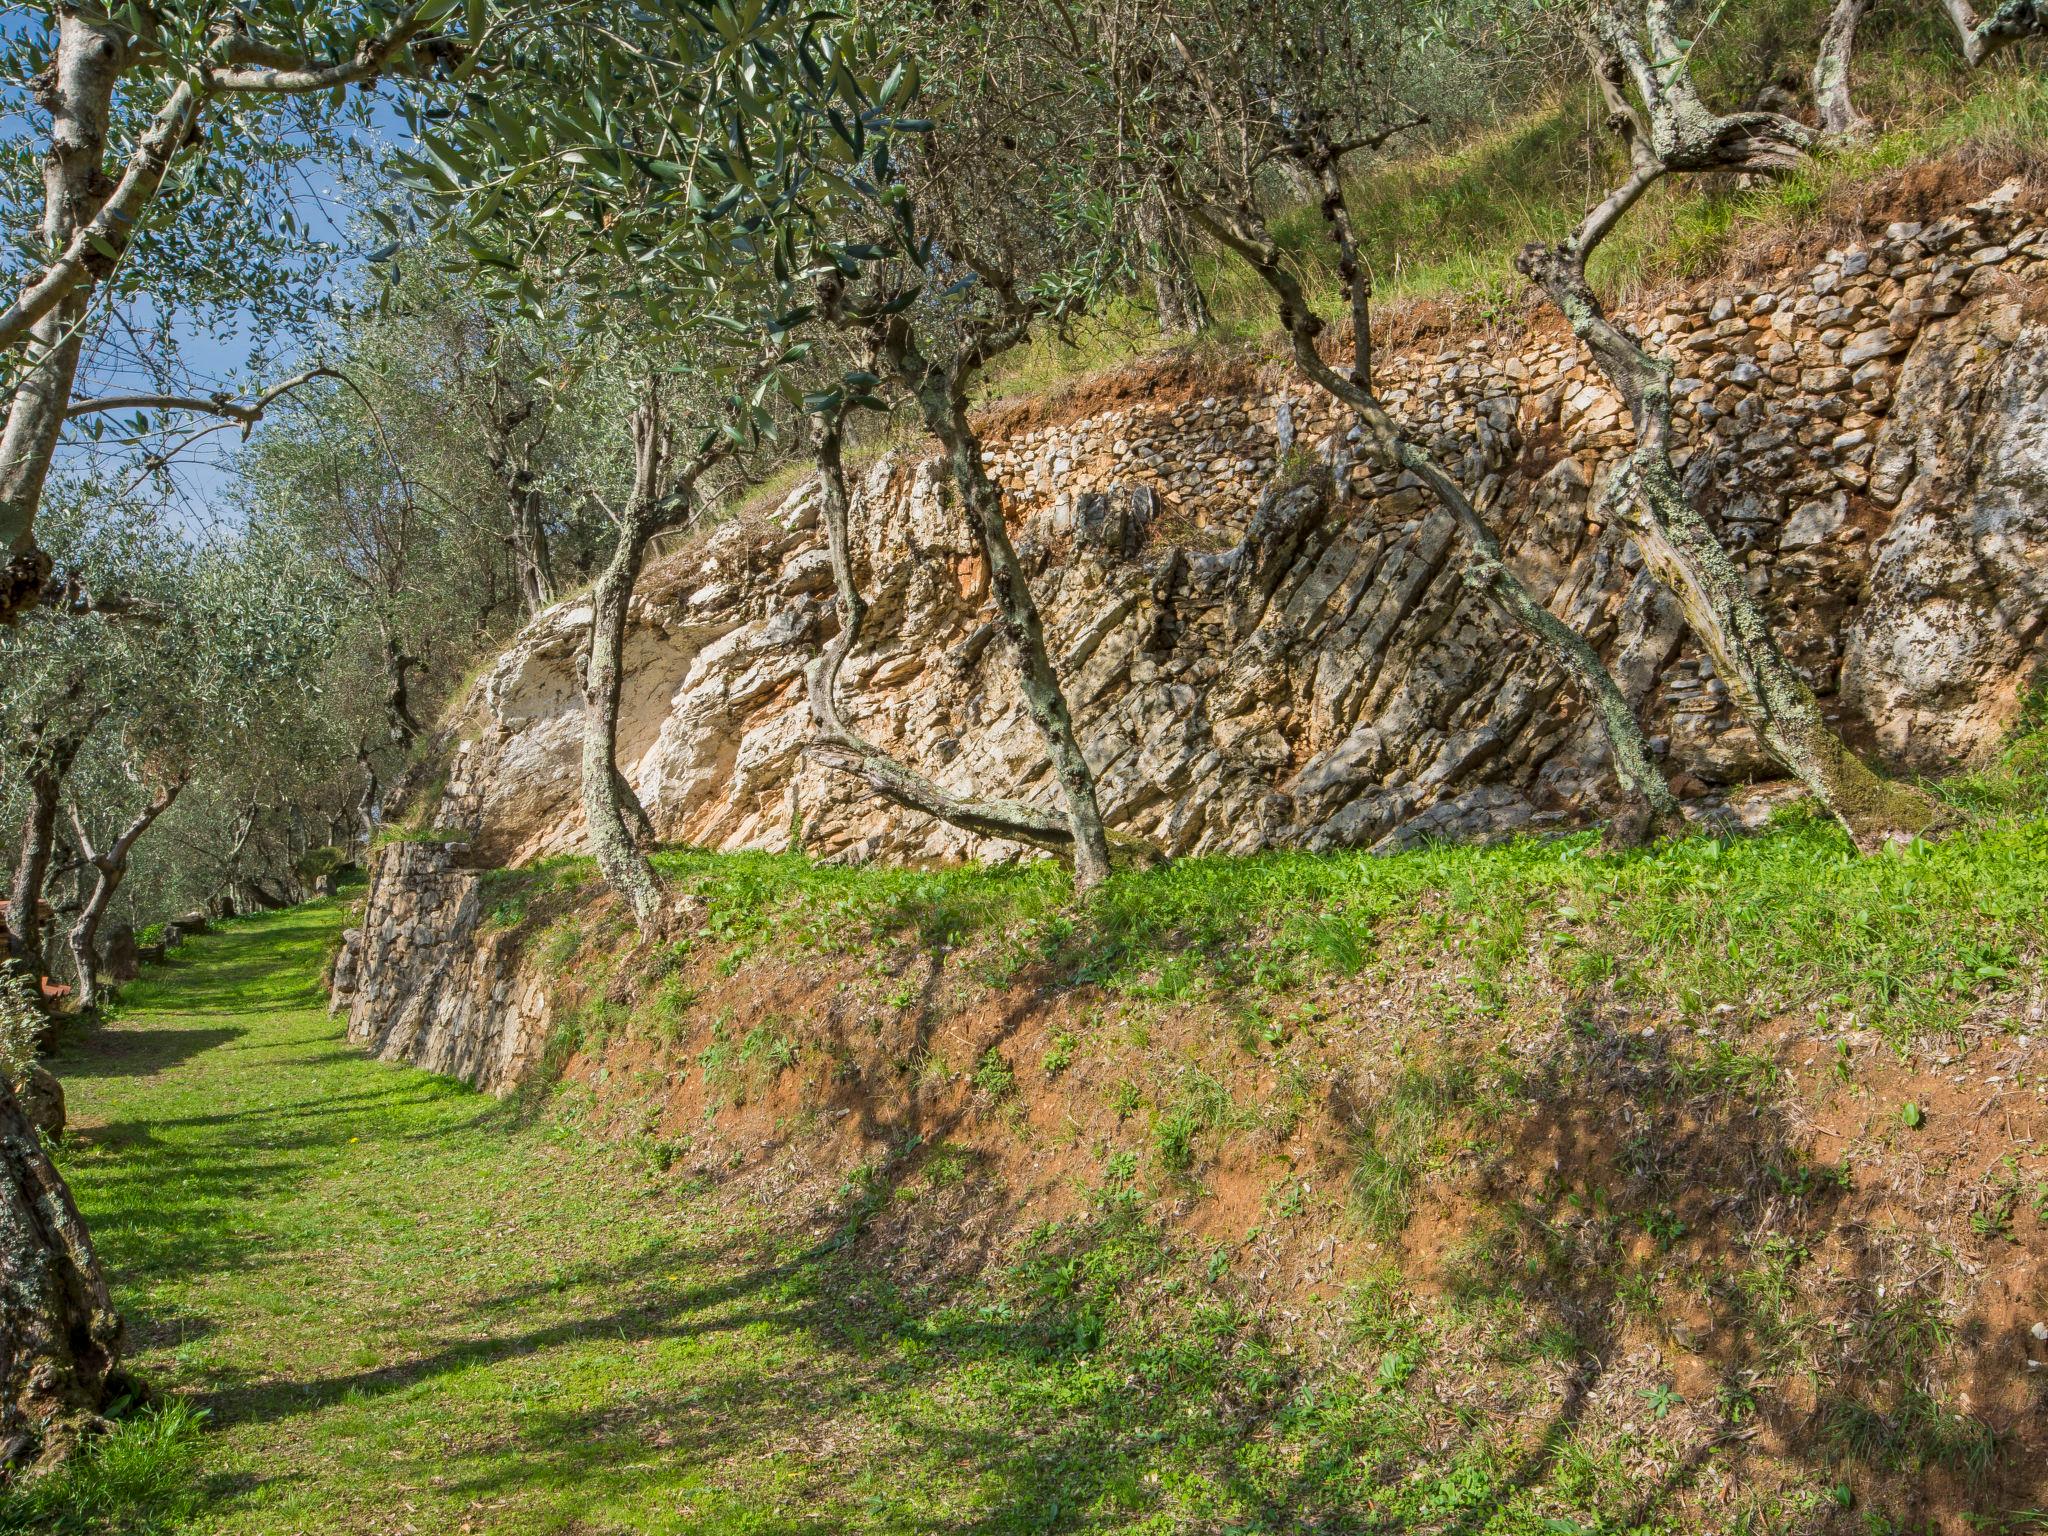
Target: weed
(994, 1078)
(1173, 1140)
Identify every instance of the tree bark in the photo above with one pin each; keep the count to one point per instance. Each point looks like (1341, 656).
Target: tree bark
(49, 764)
(619, 855)
(60, 1338)
(832, 739)
(1983, 38)
(662, 499)
(110, 869)
(943, 404)
(404, 728)
(367, 805)
(1183, 307)
(77, 89)
(530, 550)
(1833, 101)
(1677, 543)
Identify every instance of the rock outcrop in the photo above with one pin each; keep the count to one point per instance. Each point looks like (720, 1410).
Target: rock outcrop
(1260, 653)
(1253, 665)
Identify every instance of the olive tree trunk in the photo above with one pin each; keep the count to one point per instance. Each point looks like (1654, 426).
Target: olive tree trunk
(1183, 308)
(530, 552)
(1833, 101)
(942, 402)
(833, 740)
(1675, 131)
(1649, 806)
(620, 858)
(77, 90)
(664, 498)
(49, 765)
(60, 1338)
(1984, 37)
(110, 868)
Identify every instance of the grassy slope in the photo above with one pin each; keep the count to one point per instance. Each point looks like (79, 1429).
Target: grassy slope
(405, 1307)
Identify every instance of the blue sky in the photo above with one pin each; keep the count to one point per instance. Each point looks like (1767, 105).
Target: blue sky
(216, 351)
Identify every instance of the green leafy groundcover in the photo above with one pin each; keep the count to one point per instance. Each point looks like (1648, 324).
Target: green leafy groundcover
(373, 1300)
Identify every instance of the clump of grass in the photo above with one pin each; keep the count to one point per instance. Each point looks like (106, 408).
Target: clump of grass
(140, 1479)
(1397, 1145)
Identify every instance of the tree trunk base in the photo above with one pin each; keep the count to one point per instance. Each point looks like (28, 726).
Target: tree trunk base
(1637, 824)
(60, 1338)
(1879, 814)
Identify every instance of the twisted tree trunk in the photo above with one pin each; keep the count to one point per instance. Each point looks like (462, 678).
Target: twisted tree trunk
(1676, 131)
(60, 1338)
(832, 739)
(619, 855)
(49, 764)
(530, 550)
(1649, 806)
(1833, 101)
(110, 867)
(663, 499)
(944, 408)
(1183, 307)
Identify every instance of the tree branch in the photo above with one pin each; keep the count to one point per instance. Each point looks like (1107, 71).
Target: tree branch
(101, 240)
(246, 412)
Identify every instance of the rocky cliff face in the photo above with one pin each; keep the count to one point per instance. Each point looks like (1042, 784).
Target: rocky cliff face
(1253, 664)
(1258, 659)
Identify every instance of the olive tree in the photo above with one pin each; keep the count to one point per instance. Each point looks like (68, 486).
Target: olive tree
(1642, 65)
(154, 122)
(1006, 226)
(1215, 97)
(666, 181)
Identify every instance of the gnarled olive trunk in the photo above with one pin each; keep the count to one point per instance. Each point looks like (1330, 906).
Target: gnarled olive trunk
(605, 793)
(1681, 550)
(49, 764)
(1183, 307)
(77, 89)
(60, 1338)
(404, 727)
(110, 868)
(944, 409)
(1833, 101)
(835, 741)
(530, 550)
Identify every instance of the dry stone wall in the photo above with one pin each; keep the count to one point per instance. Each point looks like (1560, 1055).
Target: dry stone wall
(422, 981)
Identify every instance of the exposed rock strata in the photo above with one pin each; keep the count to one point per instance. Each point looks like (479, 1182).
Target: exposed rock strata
(1255, 664)
(1251, 670)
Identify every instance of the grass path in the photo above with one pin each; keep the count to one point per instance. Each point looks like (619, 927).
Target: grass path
(403, 1311)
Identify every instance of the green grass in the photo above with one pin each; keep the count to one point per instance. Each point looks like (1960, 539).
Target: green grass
(388, 1294)
(400, 1307)
(1908, 943)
